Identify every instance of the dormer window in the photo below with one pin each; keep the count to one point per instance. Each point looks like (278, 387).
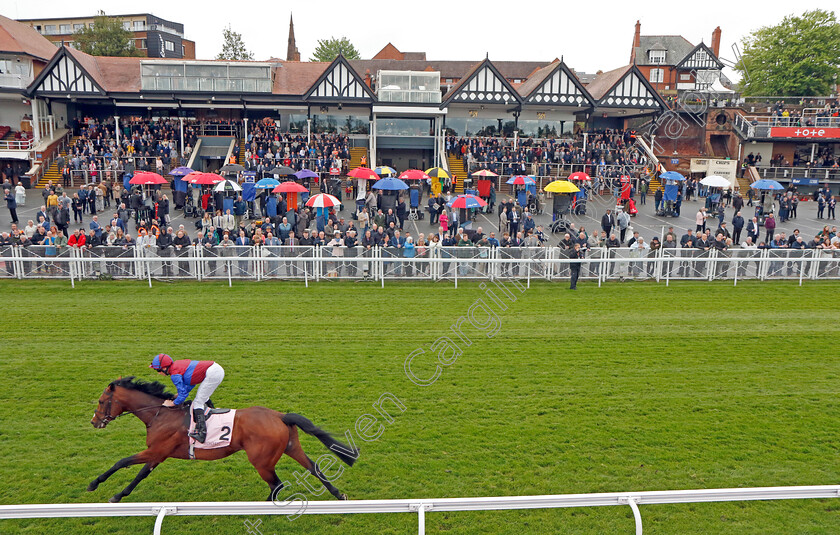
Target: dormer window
(656, 57)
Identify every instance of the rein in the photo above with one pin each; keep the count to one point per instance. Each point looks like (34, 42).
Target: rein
(108, 418)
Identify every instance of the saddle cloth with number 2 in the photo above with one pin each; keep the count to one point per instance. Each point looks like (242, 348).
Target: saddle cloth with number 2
(219, 431)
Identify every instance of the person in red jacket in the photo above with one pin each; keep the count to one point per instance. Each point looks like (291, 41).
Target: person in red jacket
(78, 239)
(185, 374)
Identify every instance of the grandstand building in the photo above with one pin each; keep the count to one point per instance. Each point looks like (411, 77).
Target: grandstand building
(396, 109)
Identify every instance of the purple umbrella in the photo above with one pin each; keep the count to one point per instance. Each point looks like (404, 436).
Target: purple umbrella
(306, 173)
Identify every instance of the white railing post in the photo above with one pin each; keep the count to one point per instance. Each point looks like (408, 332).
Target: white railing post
(637, 515)
(421, 517)
(161, 512)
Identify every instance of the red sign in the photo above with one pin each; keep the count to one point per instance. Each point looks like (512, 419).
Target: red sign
(805, 131)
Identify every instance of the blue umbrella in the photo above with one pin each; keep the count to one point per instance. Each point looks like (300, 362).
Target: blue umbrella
(306, 173)
(390, 184)
(267, 183)
(766, 183)
(672, 175)
(181, 171)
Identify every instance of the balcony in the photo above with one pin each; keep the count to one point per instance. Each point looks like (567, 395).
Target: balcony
(15, 81)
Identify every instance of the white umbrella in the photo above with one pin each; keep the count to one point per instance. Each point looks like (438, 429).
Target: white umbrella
(227, 185)
(715, 181)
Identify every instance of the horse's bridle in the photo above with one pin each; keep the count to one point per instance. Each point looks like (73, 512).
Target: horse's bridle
(108, 418)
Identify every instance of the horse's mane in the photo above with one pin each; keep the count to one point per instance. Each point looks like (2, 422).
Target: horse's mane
(153, 388)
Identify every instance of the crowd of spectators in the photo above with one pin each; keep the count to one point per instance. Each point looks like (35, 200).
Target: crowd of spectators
(268, 147)
(536, 156)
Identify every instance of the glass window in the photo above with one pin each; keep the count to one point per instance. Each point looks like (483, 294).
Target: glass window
(77, 27)
(207, 70)
(657, 75)
(246, 71)
(656, 56)
(49, 29)
(126, 25)
(63, 29)
(170, 46)
(404, 127)
(90, 24)
(162, 70)
(297, 123)
(139, 25)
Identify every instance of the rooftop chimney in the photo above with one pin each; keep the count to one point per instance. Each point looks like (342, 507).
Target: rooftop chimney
(637, 41)
(716, 41)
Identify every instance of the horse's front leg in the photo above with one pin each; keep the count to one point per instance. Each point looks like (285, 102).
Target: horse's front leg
(141, 475)
(122, 463)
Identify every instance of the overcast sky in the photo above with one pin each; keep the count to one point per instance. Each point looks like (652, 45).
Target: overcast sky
(590, 35)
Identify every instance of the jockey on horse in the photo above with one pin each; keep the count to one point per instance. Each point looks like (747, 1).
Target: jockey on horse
(185, 374)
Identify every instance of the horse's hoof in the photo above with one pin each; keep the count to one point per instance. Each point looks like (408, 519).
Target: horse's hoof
(115, 499)
(343, 497)
(93, 486)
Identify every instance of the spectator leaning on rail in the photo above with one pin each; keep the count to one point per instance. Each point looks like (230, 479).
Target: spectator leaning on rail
(185, 374)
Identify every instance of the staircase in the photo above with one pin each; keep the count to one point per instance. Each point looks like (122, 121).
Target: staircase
(456, 169)
(356, 154)
(750, 176)
(241, 152)
(654, 184)
(54, 173)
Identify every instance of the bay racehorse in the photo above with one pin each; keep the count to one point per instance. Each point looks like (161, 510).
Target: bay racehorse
(264, 434)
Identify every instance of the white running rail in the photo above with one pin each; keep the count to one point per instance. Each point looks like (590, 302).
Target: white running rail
(418, 506)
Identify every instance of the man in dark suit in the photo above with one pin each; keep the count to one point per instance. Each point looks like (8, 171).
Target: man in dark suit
(575, 254)
(607, 222)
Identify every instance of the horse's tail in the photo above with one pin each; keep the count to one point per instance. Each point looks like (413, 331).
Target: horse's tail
(305, 424)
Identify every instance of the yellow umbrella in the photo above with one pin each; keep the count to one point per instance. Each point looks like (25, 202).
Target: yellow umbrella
(562, 186)
(437, 172)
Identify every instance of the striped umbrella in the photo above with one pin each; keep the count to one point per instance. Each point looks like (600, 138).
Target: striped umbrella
(228, 186)
(485, 173)
(521, 180)
(436, 172)
(322, 200)
(416, 174)
(580, 175)
(364, 173)
(384, 170)
(467, 201)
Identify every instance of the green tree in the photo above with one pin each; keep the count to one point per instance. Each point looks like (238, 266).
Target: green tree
(328, 49)
(234, 47)
(798, 57)
(107, 37)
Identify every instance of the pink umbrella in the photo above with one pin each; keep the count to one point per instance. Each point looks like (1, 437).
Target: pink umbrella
(484, 173)
(363, 172)
(414, 174)
(145, 178)
(203, 179)
(289, 187)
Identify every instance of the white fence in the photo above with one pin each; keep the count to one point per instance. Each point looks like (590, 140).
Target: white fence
(419, 507)
(434, 264)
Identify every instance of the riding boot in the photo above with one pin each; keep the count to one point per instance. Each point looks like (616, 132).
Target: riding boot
(200, 431)
(210, 404)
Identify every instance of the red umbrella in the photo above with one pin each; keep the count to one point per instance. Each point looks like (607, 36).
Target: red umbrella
(203, 179)
(145, 178)
(414, 174)
(364, 173)
(580, 175)
(289, 187)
